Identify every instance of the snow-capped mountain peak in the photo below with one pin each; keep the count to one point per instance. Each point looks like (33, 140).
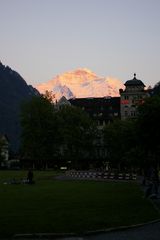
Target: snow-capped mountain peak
(81, 83)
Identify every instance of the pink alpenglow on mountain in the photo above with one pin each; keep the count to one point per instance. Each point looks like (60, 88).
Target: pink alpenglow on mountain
(81, 83)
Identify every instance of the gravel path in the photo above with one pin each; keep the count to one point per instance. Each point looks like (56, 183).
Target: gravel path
(147, 232)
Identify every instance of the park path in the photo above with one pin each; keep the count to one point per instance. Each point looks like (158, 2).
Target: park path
(146, 232)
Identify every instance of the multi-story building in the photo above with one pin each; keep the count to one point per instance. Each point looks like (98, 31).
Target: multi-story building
(131, 97)
(102, 110)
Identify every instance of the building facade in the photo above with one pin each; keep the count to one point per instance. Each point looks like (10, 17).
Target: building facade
(131, 97)
(102, 110)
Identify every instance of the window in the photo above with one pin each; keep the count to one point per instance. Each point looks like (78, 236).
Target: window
(133, 113)
(126, 113)
(126, 97)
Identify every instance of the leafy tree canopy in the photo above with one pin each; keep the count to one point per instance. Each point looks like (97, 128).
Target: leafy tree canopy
(76, 133)
(120, 140)
(38, 129)
(148, 122)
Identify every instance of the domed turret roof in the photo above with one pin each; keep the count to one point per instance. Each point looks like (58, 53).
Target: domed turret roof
(134, 82)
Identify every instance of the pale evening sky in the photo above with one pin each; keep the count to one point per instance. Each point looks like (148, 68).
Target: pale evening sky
(43, 38)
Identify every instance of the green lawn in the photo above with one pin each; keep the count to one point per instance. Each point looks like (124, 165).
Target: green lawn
(69, 206)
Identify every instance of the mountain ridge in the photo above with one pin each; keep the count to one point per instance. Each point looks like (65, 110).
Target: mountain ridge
(81, 82)
(13, 91)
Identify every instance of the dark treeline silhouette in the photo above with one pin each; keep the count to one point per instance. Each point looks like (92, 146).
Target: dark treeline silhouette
(54, 137)
(13, 91)
(67, 136)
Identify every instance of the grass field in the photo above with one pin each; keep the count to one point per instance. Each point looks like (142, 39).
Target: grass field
(69, 206)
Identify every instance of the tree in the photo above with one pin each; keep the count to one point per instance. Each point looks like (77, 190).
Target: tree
(1, 149)
(38, 131)
(149, 130)
(76, 133)
(49, 95)
(156, 89)
(120, 140)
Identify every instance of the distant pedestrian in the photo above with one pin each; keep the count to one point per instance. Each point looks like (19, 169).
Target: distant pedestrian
(30, 177)
(149, 189)
(152, 183)
(155, 181)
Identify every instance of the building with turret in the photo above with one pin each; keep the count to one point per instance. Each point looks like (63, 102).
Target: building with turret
(131, 97)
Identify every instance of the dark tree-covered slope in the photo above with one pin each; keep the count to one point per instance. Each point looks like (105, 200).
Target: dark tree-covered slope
(13, 92)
